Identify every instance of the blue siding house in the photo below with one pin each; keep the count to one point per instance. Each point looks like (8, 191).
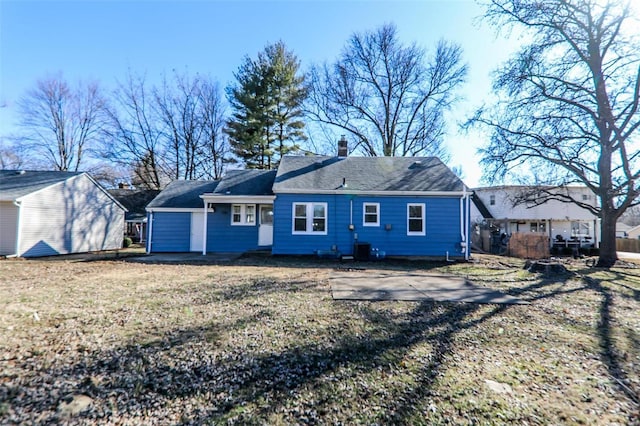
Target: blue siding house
(399, 206)
(234, 214)
(340, 206)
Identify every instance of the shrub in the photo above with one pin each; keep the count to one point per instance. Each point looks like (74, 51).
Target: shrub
(126, 242)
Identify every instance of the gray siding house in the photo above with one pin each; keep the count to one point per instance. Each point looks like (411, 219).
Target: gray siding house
(45, 213)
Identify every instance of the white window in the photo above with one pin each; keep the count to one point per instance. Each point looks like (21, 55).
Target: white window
(415, 219)
(310, 218)
(371, 214)
(243, 214)
(580, 229)
(538, 227)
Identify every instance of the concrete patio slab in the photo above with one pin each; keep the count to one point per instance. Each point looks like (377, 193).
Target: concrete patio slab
(399, 285)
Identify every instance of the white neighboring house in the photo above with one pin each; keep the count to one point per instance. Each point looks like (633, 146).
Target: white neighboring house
(46, 213)
(561, 221)
(634, 232)
(622, 230)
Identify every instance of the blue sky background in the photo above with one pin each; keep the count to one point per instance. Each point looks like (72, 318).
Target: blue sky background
(100, 40)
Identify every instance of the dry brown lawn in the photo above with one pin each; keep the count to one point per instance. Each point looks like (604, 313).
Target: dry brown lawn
(261, 341)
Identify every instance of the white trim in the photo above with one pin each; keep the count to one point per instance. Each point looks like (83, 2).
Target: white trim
(381, 193)
(364, 214)
(144, 220)
(467, 224)
(243, 215)
(423, 218)
(238, 199)
(204, 229)
(18, 204)
(309, 206)
(150, 232)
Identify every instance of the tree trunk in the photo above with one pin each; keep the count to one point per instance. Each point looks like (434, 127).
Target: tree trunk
(608, 252)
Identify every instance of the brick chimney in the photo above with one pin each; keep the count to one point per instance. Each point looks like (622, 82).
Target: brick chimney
(343, 151)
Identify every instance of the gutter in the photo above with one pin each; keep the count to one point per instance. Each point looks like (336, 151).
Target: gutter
(365, 193)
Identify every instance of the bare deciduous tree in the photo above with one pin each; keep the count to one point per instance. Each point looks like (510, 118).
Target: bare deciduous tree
(387, 95)
(178, 109)
(60, 123)
(133, 137)
(11, 155)
(169, 132)
(212, 116)
(568, 110)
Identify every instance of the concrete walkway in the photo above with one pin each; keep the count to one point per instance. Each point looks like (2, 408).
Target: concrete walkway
(400, 285)
(628, 255)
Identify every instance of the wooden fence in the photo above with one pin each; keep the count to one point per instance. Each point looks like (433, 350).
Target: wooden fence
(628, 244)
(529, 245)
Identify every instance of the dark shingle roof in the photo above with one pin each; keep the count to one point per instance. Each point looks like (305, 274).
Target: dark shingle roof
(183, 194)
(134, 200)
(186, 193)
(247, 182)
(18, 183)
(365, 174)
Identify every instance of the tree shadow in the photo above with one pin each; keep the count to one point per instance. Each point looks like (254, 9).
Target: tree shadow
(250, 385)
(612, 356)
(266, 259)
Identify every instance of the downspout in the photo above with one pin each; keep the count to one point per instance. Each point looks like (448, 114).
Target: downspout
(351, 212)
(204, 230)
(467, 224)
(463, 226)
(150, 236)
(351, 227)
(18, 204)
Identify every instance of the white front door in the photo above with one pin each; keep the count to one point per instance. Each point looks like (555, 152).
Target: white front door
(265, 231)
(197, 224)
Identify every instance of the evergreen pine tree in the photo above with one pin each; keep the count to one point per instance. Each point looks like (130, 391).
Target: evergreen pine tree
(267, 107)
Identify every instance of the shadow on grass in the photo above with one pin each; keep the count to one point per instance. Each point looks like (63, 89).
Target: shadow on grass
(611, 356)
(321, 380)
(258, 259)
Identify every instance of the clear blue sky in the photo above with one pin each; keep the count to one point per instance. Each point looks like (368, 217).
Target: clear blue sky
(100, 40)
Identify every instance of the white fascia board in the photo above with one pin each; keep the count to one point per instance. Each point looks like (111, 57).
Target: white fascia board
(238, 199)
(377, 193)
